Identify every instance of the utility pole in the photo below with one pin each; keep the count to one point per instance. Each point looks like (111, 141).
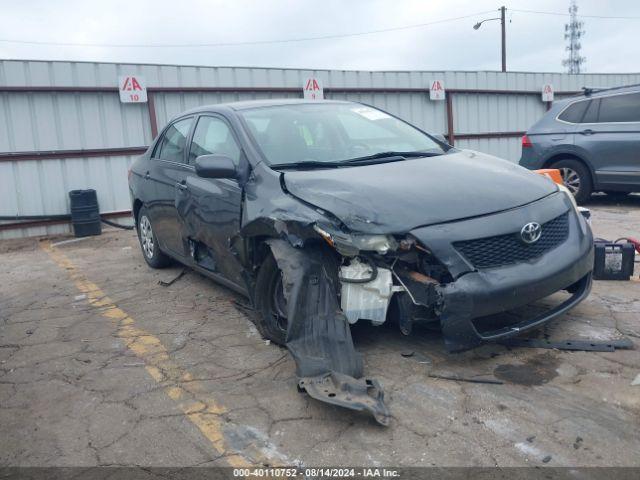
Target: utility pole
(504, 38)
(573, 31)
(503, 24)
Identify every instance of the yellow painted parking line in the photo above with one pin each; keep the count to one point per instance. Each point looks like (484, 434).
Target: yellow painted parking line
(189, 395)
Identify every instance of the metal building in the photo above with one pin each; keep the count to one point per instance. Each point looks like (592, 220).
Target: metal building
(62, 125)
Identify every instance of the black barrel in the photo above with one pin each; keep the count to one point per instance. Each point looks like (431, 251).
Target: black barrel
(85, 213)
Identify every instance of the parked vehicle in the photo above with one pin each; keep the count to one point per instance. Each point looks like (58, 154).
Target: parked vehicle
(326, 213)
(593, 139)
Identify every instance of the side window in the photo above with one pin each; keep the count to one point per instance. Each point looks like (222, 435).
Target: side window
(174, 141)
(213, 136)
(620, 108)
(574, 112)
(592, 112)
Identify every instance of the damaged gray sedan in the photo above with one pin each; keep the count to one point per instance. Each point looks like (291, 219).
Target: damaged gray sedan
(328, 213)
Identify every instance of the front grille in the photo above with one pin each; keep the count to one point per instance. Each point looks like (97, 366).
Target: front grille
(507, 249)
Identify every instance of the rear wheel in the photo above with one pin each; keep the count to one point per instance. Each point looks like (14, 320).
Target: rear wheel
(151, 252)
(576, 177)
(271, 304)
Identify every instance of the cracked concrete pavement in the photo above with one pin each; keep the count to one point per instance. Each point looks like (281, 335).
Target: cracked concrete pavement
(101, 365)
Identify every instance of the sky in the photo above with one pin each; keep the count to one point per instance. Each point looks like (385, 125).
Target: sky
(534, 41)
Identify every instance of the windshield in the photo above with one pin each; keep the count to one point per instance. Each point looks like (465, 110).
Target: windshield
(331, 132)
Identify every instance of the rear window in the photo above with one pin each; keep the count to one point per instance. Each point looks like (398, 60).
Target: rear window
(620, 108)
(574, 112)
(174, 141)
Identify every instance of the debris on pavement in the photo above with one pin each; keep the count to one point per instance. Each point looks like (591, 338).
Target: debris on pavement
(348, 392)
(72, 240)
(456, 378)
(636, 381)
(168, 283)
(577, 345)
(419, 357)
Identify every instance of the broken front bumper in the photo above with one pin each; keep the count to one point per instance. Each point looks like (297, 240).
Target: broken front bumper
(481, 292)
(474, 296)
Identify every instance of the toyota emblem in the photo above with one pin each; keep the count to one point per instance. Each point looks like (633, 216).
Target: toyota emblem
(531, 232)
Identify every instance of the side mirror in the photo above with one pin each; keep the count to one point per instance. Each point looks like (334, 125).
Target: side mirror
(215, 166)
(440, 138)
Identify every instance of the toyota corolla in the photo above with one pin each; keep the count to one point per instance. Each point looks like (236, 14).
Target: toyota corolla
(326, 213)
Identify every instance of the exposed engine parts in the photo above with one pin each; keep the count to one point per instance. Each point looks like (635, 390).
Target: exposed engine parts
(366, 291)
(402, 280)
(324, 292)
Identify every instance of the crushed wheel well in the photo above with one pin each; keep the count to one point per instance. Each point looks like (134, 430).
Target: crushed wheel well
(259, 251)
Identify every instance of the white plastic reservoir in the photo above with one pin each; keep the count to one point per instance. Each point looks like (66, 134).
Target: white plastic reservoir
(366, 301)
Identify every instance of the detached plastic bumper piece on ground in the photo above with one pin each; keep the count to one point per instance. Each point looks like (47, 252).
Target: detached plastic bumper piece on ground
(318, 337)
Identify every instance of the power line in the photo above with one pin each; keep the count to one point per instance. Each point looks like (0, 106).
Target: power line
(561, 14)
(251, 42)
(303, 39)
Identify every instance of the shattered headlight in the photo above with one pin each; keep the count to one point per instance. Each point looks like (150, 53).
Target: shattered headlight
(378, 243)
(350, 245)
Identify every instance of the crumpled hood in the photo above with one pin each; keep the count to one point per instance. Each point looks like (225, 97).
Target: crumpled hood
(399, 196)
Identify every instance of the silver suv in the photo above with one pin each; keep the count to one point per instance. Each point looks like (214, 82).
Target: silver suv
(593, 138)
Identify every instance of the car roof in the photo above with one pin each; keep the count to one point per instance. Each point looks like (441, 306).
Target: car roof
(589, 92)
(247, 104)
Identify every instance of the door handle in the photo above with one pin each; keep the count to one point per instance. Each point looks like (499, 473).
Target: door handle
(588, 131)
(182, 186)
(147, 175)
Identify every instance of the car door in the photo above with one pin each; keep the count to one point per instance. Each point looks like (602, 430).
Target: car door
(167, 173)
(610, 133)
(210, 208)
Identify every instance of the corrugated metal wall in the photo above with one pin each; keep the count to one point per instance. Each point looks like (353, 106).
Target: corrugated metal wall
(49, 107)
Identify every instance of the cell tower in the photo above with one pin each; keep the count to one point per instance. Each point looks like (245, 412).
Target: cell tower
(573, 31)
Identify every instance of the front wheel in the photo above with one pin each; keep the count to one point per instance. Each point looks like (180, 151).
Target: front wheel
(151, 252)
(576, 177)
(271, 305)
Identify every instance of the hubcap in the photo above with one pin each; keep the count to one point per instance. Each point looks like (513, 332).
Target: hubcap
(571, 179)
(146, 236)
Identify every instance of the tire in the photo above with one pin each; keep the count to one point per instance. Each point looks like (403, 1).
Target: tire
(270, 318)
(151, 252)
(576, 177)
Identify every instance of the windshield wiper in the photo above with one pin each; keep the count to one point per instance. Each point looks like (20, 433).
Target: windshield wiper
(304, 164)
(380, 157)
(392, 156)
